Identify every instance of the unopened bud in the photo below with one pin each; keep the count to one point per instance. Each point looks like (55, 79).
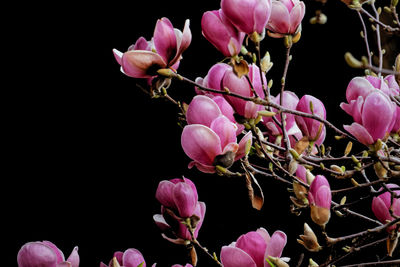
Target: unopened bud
(394, 3)
(352, 61)
(266, 113)
(115, 262)
(309, 239)
(278, 262)
(391, 243)
(312, 263)
(336, 168)
(266, 63)
(348, 148)
(166, 73)
(294, 153)
(320, 215)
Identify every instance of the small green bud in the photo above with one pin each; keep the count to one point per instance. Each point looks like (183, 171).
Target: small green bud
(266, 113)
(352, 61)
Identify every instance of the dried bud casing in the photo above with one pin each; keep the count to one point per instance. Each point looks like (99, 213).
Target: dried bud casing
(320, 215)
(309, 239)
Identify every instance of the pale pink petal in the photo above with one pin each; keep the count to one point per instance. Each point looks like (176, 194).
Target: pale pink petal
(280, 20)
(141, 64)
(202, 110)
(36, 254)
(200, 143)
(183, 42)
(225, 129)
(360, 133)
(132, 258)
(244, 146)
(118, 56)
(296, 16)
(264, 233)
(275, 245)
(161, 222)
(358, 86)
(235, 257)
(74, 258)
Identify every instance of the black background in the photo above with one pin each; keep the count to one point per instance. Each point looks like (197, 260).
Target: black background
(85, 149)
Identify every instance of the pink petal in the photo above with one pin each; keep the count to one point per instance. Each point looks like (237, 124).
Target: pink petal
(360, 133)
(225, 129)
(254, 245)
(235, 257)
(358, 86)
(262, 13)
(164, 194)
(200, 143)
(141, 64)
(160, 222)
(380, 210)
(118, 56)
(377, 115)
(132, 258)
(323, 197)
(74, 258)
(279, 21)
(36, 254)
(183, 41)
(264, 233)
(296, 16)
(165, 39)
(216, 74)
(185, 199)
(276, 245)
(244, 146)
(202, 110)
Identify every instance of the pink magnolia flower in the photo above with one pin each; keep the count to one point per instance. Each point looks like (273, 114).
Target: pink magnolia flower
(389, 87)
(179, 201)
(204, 109)
(290, 100)
(45, 254)
(382, 204)
(129, 258)
(308, 126)
(178, 194)
(319, 198)
(165, 51)
(372, 111)
(286, 17)
(242, 87)
(213, 145)
(248, 16)
(219, 31)
(252, 249)
(213, 79)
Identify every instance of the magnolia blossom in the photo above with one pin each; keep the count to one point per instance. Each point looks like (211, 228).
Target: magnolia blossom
(205, 109)
(311, 128)
(219, 31)
(389, 87)
(319, 198)
(210, 138)
(381, 205)
(248, 16)
(213, 79)
(286, 17)
(45, 254)
(241, 86)
(130, 258)
(252, 249)
(179, 201)
(372, 111)
(143, 59)
(290, 101)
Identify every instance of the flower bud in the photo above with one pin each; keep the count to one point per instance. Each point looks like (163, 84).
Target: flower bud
(286, 17)
(219, 31)
(382, 204)
(45, 254)
(250, 16)
(319, 197)
(309, 239)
